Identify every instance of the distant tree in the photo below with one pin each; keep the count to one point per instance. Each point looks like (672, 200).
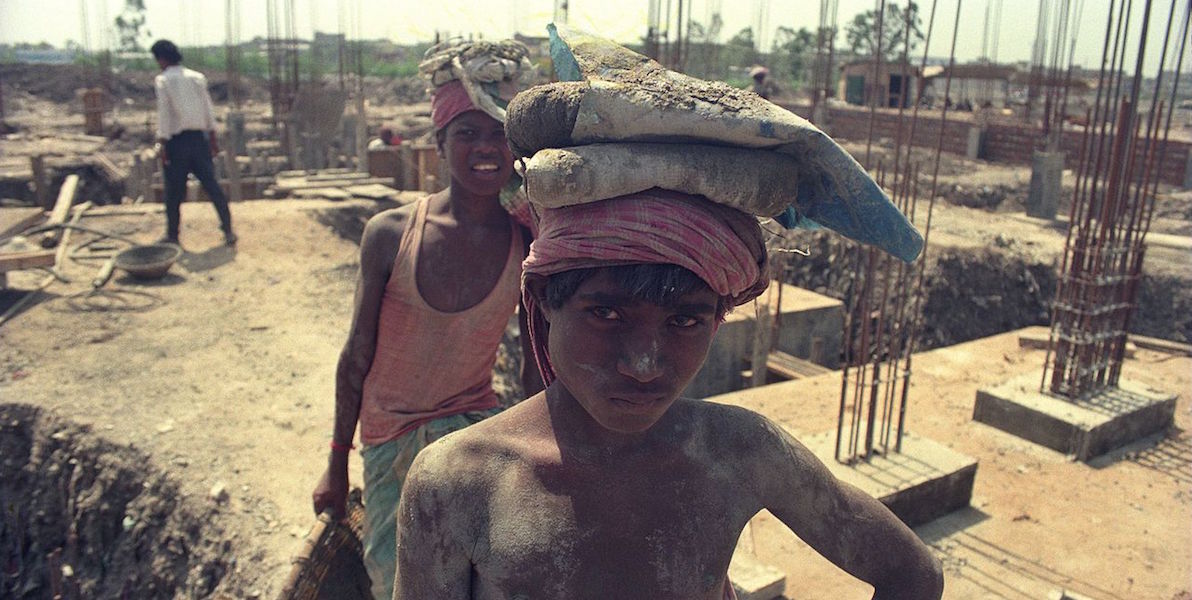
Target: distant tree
(702, 58)
(740, 50)
(861, 32)
(793, 52)
(130, 26)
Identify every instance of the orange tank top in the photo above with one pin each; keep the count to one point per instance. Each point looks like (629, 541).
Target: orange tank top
(429, 363)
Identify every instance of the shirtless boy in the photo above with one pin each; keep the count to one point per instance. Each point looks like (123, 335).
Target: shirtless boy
(607, 484)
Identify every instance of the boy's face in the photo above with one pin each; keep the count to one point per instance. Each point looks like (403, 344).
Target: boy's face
(626, 360)
(477, 153)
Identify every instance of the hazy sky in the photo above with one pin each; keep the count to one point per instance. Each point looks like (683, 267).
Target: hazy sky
(191, 22)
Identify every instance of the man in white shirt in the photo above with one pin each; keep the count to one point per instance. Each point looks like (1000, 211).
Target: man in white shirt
(186, 137)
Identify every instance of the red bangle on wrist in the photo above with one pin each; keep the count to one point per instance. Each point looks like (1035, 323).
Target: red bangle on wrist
(342, 448)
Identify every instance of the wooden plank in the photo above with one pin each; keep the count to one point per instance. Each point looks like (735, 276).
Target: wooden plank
(31, 259)
(374, 191)
(1161, 345)
(283, 185)
(793, 367)
(66, 196)
(14, 220)
(1038, 340)
(61, 210)
(328, 193)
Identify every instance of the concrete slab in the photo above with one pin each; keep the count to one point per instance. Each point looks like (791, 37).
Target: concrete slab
(753, 580)
(810, 324)
(1082, 429)
(923, 482)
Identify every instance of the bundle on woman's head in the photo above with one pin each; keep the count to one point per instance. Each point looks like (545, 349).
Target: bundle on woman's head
(482, 76)
(474, 76)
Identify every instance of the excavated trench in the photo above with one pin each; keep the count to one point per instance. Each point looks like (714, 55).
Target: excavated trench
(969, 294)
(86, 518)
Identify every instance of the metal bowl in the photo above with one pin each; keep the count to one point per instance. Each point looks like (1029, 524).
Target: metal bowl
(148, 262)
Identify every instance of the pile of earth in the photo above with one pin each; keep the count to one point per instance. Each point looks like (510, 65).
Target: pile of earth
(969, 294)
(97, 520)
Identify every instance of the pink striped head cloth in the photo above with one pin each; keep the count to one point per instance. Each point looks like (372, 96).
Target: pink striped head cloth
(721, 245)
(449, 101)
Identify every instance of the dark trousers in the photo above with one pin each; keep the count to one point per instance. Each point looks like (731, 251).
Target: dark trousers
(189, 152)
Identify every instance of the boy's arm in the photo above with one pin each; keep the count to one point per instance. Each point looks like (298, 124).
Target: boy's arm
(378, 247)
(848, 527)
(433, 521)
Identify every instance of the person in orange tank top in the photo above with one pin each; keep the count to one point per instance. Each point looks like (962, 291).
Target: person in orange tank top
(439, 280)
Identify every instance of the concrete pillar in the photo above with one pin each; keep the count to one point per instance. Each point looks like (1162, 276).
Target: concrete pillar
(361, 134)
(40, 183)
(237, 141)
(1188, 171)
(819, 116)
(348, 134)
(975, 147)
(235, 192)
(93, 111)
(293, 144)
(409, 167)
(1047, 172)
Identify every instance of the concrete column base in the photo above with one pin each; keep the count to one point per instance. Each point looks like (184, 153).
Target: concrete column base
(1082, 429)
(1047, 172)
(920, 484)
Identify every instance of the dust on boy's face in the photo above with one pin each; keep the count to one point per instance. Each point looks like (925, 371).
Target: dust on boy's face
(626, 360)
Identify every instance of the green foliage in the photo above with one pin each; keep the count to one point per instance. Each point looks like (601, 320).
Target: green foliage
(740, 50)
(129, 26)
(793, 53)
(861, 33)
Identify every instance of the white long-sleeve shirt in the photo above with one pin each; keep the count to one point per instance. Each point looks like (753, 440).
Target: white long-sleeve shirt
(182, 102)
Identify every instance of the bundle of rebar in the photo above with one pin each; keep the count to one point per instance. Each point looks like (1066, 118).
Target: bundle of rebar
(884, 304)
(1112, 205)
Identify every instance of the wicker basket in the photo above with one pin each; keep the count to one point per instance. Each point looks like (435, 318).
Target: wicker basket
(330, 563)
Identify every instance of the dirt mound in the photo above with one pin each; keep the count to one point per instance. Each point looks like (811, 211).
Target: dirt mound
(84, 518)
(974, 293)
(60, 83)
(971, 295)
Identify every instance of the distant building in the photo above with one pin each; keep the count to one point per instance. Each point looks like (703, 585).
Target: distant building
(892, 84)
(974, 84)
(47, 56)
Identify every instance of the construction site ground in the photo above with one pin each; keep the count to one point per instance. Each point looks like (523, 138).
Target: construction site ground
(219, 380)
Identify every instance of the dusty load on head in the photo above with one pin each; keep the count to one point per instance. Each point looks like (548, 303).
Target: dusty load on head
(483, 76)
(616, 111)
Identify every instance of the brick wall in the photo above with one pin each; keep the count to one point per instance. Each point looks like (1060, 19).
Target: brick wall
(1004, 142)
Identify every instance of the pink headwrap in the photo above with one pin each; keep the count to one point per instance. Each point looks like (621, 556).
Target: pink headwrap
(722, 245)
(448, 102)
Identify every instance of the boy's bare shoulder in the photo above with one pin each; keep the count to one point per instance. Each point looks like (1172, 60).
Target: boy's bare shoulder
(733, 433)
(481, 450)
(724, 422)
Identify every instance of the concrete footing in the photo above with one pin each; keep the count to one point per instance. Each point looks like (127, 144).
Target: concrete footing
(1082, 429)
(920, 484)
(753, 580)
(810, 327)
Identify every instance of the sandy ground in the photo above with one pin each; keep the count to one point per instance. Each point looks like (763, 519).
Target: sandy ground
(1038, 523)
(223, 374)
(223, 371)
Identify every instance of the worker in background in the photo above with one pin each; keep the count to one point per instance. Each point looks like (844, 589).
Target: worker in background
(385, 138)
(186, 139)
(762, 85)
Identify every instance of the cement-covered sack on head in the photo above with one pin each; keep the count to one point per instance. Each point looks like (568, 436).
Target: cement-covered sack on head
(750, 181)
(608, 93)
